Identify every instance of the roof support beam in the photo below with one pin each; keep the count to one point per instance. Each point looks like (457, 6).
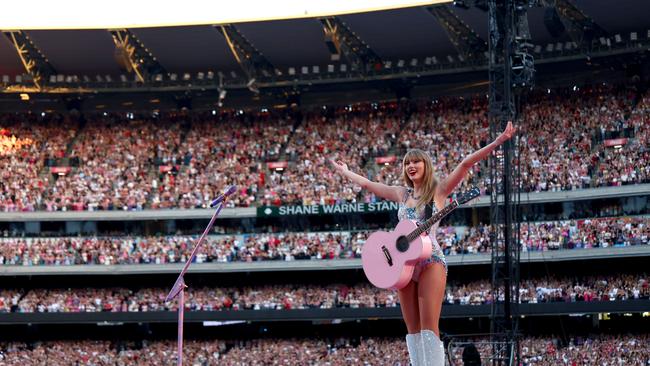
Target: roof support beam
(582, 29)
(466, 41)
(254, 64)
(134, 57)
(34, 62)
(344, 41)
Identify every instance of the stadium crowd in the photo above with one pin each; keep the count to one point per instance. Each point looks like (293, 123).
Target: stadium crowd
(353, 135)
(114, 159)
(602, 350)
(216, 154)
(93, 250)
(184, 160)
(28, 144)
(619, 287)
(562, 134)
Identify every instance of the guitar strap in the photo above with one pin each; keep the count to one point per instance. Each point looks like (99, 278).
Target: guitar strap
(428, 210)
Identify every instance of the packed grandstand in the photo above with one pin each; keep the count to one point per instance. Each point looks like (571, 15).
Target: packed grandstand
(591, 137)
(100, 208)
(167, 162)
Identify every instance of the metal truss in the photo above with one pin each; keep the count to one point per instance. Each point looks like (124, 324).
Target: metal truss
(582, 29)
(457, 344)
(34, 62)
(361, 57)
(254, 64)
(504, 20)
(467, 42)
(135, 57)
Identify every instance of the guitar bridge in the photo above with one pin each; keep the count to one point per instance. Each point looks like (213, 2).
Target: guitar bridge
(389, 258)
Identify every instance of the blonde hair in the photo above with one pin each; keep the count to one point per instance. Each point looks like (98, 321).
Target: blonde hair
(429, 180)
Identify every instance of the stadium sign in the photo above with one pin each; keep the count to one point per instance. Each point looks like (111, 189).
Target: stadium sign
(342, 208)
(385, 159)
(277, 165)
(60, 170)
(615, 142)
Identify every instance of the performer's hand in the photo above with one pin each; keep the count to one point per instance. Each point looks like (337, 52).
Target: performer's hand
(339, 165)
(507, 134)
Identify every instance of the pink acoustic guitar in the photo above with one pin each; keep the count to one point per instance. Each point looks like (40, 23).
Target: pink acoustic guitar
(389, 258)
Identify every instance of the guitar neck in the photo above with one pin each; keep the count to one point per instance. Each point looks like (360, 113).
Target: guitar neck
(432, 220)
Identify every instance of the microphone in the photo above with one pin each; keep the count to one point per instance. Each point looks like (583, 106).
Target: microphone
(221, 197)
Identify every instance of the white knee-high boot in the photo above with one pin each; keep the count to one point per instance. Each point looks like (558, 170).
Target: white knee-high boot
(434, 349)
(414, 346)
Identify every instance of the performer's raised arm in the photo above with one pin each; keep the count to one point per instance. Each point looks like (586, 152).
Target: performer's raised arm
(391, 193)
(450, 183)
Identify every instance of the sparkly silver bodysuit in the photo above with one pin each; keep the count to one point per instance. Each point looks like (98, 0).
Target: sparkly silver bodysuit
(409, 213)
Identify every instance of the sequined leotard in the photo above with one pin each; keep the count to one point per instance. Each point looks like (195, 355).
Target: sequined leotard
(403, 213)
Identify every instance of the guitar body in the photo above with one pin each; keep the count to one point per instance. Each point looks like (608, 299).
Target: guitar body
(389, 261)
(389, 258)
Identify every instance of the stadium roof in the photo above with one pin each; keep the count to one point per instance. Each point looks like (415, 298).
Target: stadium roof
(394, 34)
(80, 14)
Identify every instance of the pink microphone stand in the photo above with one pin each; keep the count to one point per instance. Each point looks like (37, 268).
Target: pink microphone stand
(179, 285)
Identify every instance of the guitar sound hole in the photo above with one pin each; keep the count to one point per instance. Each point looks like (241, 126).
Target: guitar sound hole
(402, 244)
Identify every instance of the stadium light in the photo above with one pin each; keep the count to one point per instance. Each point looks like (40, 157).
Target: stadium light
(83, 14)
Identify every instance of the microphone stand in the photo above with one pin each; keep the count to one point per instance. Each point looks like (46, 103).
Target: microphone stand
(179, 286)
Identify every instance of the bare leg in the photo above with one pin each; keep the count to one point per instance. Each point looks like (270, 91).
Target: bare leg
(408, 298)
(431, 288)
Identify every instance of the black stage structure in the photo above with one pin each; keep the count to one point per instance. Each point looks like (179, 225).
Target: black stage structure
(511, 69)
